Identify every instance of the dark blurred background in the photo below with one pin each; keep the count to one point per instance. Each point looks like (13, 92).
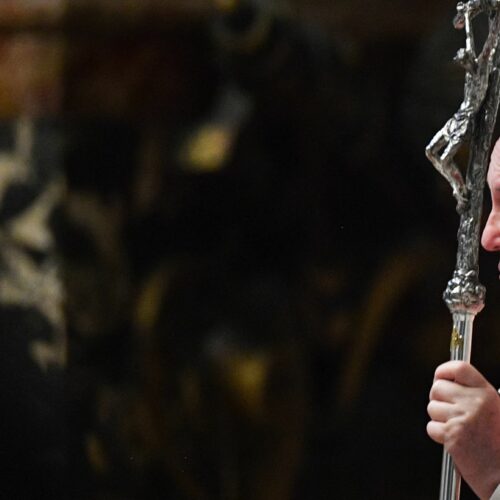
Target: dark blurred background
(222, 250)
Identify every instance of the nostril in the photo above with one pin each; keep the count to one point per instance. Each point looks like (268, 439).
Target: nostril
(490, 244)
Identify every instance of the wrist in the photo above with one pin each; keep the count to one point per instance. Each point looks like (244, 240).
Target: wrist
(490, 490)
(485, 483)
(496, 493)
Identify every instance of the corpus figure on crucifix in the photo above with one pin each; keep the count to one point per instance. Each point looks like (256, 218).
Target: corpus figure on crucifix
(446, 143)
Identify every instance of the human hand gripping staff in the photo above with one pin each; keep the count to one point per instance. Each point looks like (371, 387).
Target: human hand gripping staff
(461, 399)
(464, 407)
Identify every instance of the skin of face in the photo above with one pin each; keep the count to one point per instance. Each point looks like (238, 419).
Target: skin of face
(491, 233)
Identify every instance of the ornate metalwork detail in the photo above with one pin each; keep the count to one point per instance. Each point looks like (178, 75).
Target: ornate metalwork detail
(457, 340)
(465, 292)
(445, 144)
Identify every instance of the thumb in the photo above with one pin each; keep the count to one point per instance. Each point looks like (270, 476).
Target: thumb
(460, 372)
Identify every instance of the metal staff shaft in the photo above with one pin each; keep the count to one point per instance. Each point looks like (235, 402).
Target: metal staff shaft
(460, 349)
(464, 294)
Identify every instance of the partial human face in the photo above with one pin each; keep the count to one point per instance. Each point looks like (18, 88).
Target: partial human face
(491, 233)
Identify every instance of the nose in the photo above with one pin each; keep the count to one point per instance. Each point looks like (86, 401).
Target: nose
(491, 233)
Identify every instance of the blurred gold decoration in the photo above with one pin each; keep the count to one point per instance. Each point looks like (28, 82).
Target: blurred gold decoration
(210, 146)
(246, 376)
(398, 274)
(150, 300)
(96, 454)
(208, 150)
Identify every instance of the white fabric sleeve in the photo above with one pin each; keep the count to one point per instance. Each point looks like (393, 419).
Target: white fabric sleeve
(496, 494)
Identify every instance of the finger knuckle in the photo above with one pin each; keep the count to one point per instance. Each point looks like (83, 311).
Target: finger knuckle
(479, 402)
(454, 435)
(436, 389)
(434, 432)
(430, 407)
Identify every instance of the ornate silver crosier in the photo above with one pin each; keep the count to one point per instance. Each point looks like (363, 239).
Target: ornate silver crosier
(474, 123)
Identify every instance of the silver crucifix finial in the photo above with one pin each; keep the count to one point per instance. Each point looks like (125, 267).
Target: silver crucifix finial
(445, 144)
